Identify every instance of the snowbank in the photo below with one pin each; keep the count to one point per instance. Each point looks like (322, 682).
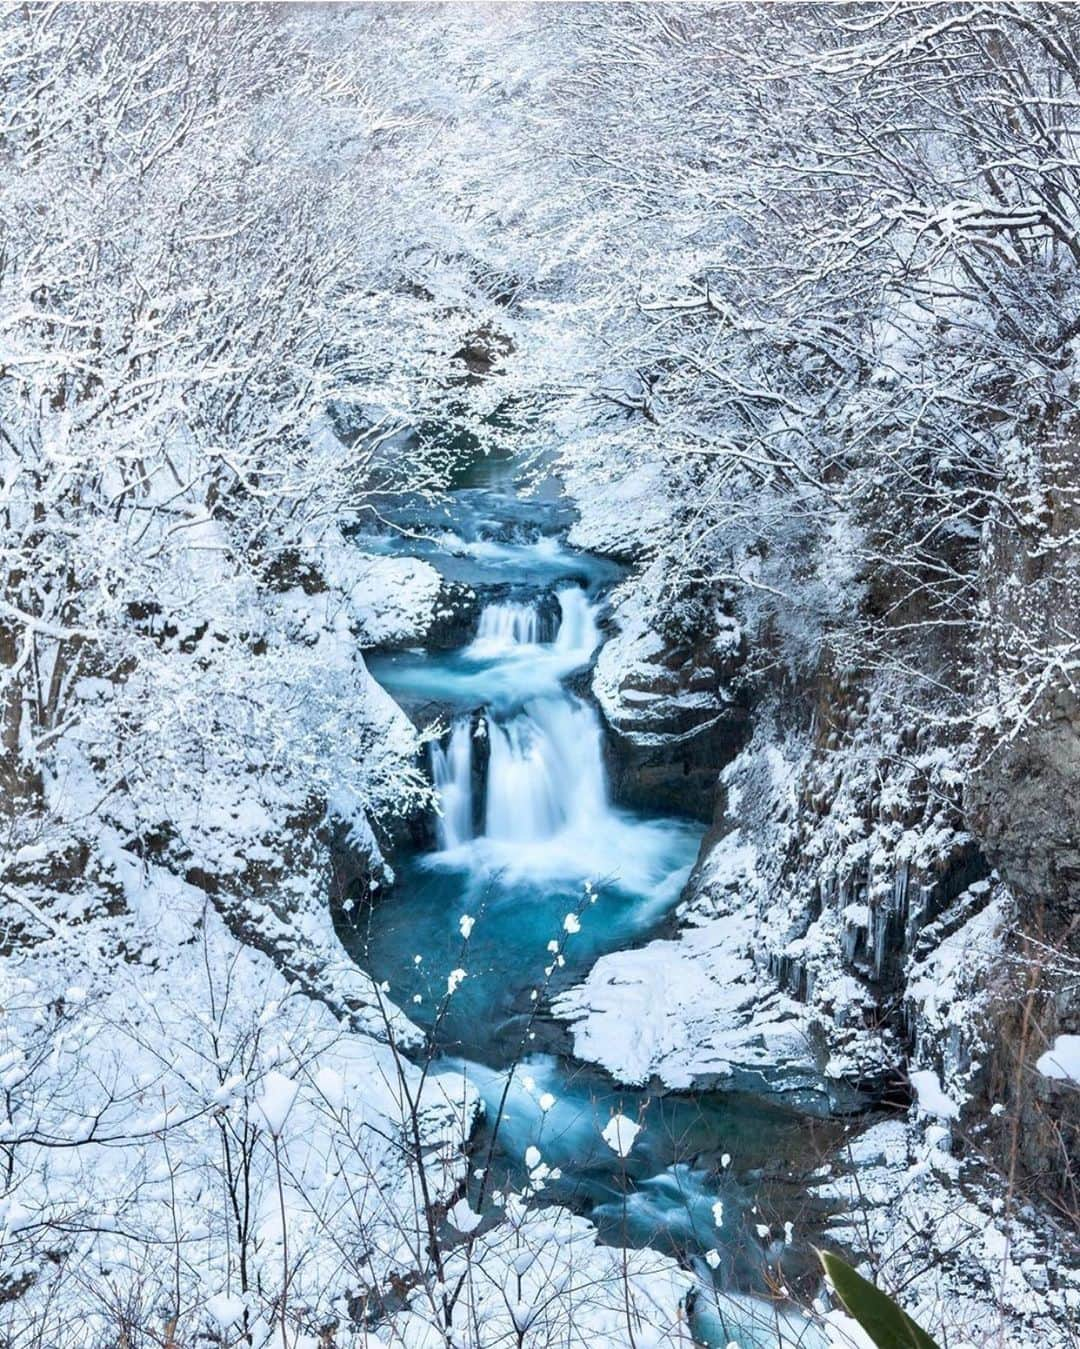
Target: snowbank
(189, 1088)
(974, 1265)
(696, 1009)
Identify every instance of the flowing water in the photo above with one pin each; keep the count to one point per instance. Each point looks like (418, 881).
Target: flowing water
(534, 875)
(507, 661)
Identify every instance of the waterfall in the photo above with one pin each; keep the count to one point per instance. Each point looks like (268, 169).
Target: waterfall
(451, 772)
(503, 626)
(578, 632)
(545, 771)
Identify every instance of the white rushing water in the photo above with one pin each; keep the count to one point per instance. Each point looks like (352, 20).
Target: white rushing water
(507, 627)
(545, 772)
(546, 810)
(506, 663)
(451, 772)
(545, 765)
(578, 634)
(504, 626)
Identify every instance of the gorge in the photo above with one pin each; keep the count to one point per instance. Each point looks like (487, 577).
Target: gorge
(539, 655)
(534, 875)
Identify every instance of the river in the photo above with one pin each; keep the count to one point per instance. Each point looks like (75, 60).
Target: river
(534, 873)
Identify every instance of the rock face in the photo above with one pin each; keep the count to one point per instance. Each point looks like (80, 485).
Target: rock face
(873, 850)
(674, 717)
(852, 847)
(1023, 801)
(454, 616)
(1024, 798)
(1025, 805)
(898, 916)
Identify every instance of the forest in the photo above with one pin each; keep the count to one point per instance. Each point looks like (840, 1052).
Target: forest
(540, 675)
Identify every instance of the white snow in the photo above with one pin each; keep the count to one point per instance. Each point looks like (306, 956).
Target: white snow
(463, 1217)
(692, 1008)
(276, 1100)
(391, 599)
(225, 1309)
(619, 1134)
(331, 1086)
(183, 1036)
(935, 1229)
(1062, 1060)
(932, 1099)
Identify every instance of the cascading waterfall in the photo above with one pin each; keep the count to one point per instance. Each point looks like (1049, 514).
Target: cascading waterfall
(451, 772)
(503, 626)
(518, 653)
(545, 771)
(577, 626)
(545, 767)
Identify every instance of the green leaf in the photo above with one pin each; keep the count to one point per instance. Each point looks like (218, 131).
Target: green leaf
(887, 1324)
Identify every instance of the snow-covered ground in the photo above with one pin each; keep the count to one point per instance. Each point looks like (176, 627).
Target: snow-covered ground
(696, 1009)
(975, 1262)
(207, 1113)
(164, 1078)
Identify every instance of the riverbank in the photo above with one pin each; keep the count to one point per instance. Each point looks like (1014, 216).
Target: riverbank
(531, 881)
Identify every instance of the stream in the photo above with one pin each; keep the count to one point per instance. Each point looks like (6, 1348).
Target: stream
(535, 873)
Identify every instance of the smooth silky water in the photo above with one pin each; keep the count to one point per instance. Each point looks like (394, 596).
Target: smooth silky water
(507, 662)
(534, 876)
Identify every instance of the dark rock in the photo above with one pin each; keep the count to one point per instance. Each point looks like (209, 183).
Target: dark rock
(1023, 797)
(1023, 802)
(677, 771)
(456, 614)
